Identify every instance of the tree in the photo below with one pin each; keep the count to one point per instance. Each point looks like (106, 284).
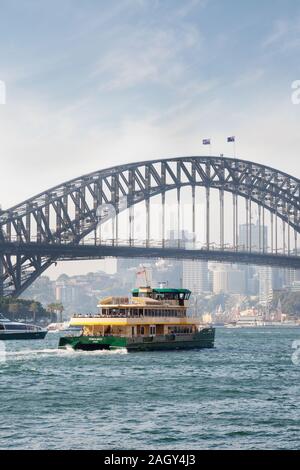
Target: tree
(13, 308)
(34, 308)
(56, 308)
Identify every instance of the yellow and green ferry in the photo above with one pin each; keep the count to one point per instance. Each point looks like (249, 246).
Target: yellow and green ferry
(152, 319)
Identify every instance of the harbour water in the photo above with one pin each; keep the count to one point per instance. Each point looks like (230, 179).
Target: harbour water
(244, 394)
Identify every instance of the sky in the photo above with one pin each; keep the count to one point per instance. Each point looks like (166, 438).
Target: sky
(94, 83)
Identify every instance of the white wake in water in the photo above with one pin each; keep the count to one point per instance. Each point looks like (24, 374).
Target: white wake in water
(48, 352)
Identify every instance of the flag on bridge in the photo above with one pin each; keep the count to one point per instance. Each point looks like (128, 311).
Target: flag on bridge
(206, 142)
(231, 139)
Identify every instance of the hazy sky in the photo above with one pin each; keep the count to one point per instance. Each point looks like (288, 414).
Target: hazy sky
(91, 83)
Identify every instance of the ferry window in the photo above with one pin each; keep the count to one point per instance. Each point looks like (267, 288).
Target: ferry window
(1, 327)
(140, 312)
(17, 327)
(152, 330)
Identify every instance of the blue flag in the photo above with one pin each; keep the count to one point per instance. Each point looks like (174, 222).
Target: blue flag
(206, 141)
(231, 139)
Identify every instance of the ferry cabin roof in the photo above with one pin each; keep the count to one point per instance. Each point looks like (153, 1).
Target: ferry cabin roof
(159, 306)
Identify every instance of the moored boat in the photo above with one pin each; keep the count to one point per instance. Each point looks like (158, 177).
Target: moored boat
(152, 319)
(21, 331)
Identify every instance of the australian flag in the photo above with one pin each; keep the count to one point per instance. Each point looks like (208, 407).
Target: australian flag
(206, 141)
(231, 139)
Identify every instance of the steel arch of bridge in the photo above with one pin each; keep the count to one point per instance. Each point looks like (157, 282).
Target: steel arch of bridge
(28, 244)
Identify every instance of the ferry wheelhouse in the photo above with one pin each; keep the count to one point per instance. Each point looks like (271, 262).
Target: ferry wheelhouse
(152, 319)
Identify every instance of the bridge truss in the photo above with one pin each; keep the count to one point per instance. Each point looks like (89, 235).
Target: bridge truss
(55, 224)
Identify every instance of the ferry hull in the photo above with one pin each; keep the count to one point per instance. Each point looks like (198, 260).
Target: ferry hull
(23, 335)
(203, 339)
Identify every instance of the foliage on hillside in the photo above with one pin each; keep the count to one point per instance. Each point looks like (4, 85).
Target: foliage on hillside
(290, 302)
(25, 309)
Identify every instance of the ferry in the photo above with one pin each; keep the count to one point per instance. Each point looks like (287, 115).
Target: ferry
(17, 330)
(152, 319)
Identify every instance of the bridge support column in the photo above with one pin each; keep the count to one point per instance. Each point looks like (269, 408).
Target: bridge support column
(289, 236)
(113, 226)
(147, 222)
(131, 225)
(250, 224)
(276, 232)
(1, 274)
(18, 272)
(235, 221)
(178, 218)
(194, 215)
(163, 218)
(221, 218)
(259, 229)
(272, 232)
(117, 226)
(263, 233)
(28, 224)
(247, 224)
(207, 218)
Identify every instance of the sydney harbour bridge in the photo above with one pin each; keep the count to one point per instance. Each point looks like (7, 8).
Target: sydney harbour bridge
(70, 221)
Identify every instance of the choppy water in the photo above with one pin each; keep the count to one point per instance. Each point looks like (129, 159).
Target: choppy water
(243, 395)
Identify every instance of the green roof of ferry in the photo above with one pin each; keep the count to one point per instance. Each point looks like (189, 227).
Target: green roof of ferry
(165, 290)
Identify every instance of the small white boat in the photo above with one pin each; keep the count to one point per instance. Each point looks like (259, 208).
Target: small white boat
(57, 327)
(16, 330)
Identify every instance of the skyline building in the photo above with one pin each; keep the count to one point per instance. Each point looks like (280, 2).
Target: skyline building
(195, 276)
(265, 285)
(228, 279)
